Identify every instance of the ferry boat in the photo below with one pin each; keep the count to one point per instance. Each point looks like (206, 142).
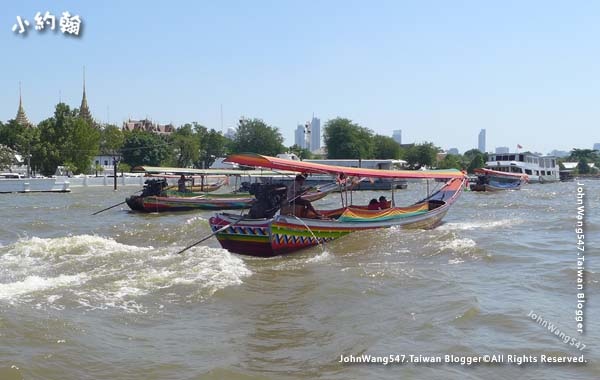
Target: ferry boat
(540, 169)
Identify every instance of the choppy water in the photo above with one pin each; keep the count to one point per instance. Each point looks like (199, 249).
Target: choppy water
(105, 297)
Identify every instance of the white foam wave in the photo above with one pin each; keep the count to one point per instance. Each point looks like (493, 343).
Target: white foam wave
(195, 220)
(467, 226)
(323, 256)
(459, 244)
(31, 284)
(100, 273)
(33, 252)
(211, 268)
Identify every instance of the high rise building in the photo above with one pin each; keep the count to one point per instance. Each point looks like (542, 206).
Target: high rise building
(397, 136)
(315, 134)
(299, 138)
(597, 146)
(481, 144)
(453, 151)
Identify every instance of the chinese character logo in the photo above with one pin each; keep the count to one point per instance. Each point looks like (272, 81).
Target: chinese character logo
(41, 22)
(21, 25)
(69, 25)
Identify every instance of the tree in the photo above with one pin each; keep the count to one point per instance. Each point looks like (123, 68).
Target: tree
(385, 147)
(421, 155)
(449, 162)
(65, 139)
(7, 157)
(255, 136)
(214, 145)
(476, 163)
(582, 166)
(111, 139)
(187, 146)
(302, 153)
(145, 148)
(588, 154)
(123, 167)
(345, 139)
(82, 145)
(474, 159)
(10, 132)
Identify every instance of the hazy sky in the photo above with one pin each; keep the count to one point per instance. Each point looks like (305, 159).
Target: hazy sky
(526, 71)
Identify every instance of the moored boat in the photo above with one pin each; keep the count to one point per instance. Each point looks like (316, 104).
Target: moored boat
(493, 180)
(279, 234)
(539, 169)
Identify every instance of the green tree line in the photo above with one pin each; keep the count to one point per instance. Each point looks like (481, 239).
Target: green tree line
(68, 140)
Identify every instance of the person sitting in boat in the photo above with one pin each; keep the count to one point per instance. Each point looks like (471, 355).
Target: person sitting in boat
(373, 204)
(384, 203)
(294, 204)
(181, 187)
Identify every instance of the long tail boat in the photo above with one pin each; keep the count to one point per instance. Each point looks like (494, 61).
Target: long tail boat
(278, 234)
(494, 180)
(156, 198)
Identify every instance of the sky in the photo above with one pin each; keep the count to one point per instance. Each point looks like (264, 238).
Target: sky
(526, 71)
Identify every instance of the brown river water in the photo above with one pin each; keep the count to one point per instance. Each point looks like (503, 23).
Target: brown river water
(106, 297)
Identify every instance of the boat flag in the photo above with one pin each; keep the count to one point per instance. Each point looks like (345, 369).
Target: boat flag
(519, 146)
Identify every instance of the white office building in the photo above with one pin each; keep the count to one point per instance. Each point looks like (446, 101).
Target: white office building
(481, 145)
(299, 137)
(397, 136)
(315, 134)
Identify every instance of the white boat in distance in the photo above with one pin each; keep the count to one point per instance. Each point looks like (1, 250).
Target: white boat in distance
(540, 169)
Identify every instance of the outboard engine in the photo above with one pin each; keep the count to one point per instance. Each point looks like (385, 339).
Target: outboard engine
(154, 187)
(244, 188)
(268, 199)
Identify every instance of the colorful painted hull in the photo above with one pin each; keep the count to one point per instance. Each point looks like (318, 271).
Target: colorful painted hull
(162, 204)
(285, 234)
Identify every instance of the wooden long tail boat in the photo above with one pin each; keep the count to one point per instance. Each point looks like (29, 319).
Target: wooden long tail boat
(493, 180)
(280, 234)
(156, 199)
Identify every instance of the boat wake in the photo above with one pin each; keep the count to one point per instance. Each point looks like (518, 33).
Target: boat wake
(94, 272)
(468, 226)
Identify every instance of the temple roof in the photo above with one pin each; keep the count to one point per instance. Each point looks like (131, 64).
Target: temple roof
(21, 117)
(84, 110)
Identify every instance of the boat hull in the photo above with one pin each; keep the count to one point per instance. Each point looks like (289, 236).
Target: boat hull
(174, 201)
(168, 204)
(285, 234)
(496, 187)
(491, 180)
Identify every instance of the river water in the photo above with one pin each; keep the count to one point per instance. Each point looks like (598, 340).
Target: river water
(105, 297)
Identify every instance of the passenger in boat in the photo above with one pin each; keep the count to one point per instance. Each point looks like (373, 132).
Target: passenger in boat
(384, 203)
(181, 187)
(294, 204)
(373, 204)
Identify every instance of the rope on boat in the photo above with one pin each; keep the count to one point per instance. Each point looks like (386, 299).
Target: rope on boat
(312, 233)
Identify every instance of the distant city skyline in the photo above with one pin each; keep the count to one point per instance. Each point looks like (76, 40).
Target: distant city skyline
(530, 84)
(481, 141)
(397, 136)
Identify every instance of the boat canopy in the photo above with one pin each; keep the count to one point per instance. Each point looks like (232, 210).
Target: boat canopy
(260, 161)
(207, 172)
(483, 171)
